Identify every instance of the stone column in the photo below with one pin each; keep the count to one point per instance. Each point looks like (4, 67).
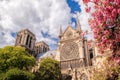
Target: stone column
(32, 44)
(22, 39)
(28, 40)
(87, 56)
(42, 48)
(25, 39)
(81, 49)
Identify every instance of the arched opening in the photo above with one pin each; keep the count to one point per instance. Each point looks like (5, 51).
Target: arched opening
(20, 39)
(30, 42)
(91, 56)
(27, 39)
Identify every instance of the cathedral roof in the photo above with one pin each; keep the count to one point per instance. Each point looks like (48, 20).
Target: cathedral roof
(27, 30)
(68, 28)
(41, 42)
(51, 53)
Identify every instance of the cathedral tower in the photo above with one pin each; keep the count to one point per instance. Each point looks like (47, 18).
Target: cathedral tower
(26, 38)
(41, 47)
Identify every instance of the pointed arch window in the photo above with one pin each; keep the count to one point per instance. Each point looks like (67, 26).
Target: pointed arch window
(30, 42)
(27, 39)
(20, 39)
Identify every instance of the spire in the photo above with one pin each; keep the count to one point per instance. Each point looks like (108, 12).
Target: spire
(78, 25)
(60, 32)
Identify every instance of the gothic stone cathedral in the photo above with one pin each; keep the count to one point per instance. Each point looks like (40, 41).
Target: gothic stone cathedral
(27, 39)
(74, 54)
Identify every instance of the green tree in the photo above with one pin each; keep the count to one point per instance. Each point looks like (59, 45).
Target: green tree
(17, 74)
(49, 69)
(15, 57)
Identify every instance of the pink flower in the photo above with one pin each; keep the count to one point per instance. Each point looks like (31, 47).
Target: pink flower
(95, 36)
(95, 30)
(87, 9)
(104, 39)
(95, 1)
(117, 2)
(111, 0)
(118, 11)
(86, 1)
(103, 46)
(103, 18)
(98, 44)
(114, 12)
(106, 32)
(117, 60)
(108, 11)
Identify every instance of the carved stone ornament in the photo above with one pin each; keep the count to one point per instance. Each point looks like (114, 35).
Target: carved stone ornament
(69, 50)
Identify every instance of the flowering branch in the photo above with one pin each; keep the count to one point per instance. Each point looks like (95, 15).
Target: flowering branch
(105, 24)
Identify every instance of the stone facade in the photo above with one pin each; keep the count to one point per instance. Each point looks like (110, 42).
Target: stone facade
(41, 47)
(75, 56)
(27, 39)
(78, 57)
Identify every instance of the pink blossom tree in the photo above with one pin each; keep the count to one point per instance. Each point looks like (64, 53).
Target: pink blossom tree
(105, 24)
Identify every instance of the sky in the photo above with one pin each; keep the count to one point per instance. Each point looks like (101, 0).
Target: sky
(42, 17)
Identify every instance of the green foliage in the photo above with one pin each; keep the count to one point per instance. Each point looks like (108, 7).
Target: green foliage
(2, 76)
(49, 69)
(15, 63)
(16, 74)
(15, 57)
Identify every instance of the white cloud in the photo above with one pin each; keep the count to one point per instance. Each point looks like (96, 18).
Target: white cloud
(36, 15)
(83, 17)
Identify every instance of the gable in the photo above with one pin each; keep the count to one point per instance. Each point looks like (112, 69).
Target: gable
(69, 33)
(68, 30)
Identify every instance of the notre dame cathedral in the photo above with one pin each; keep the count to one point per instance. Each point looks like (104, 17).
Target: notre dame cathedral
(75, 55)
(27, 39)
(77, 59)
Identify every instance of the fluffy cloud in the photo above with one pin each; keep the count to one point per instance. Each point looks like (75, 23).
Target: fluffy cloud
(83, 17)
(36, 15)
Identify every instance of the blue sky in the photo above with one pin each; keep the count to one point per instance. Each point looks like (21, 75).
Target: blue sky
(42, 17)
(74, 7)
